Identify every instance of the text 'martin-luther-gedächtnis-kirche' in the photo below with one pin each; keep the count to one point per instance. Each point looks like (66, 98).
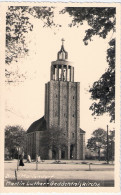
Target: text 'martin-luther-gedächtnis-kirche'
(62, 114)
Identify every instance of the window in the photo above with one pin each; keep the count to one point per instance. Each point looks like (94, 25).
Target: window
(56, 74)
(64, 74)
(73, 115)
(63, 154)
(56, 96)
(59, 74)
(73, 135)
(73, 97)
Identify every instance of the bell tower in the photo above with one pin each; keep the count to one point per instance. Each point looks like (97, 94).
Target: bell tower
(61, 69)
(62, 104)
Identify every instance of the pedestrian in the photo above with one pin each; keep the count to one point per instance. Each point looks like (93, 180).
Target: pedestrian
(29, 159)
(37, 158)
(21, 163)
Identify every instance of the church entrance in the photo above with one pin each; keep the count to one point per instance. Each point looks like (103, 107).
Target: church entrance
(63, 154)
(71, 151)
(54, 154)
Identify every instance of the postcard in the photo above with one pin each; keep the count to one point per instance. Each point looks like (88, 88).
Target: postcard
(60, 97)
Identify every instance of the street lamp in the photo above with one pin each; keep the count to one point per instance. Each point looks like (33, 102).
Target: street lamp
(18, 150)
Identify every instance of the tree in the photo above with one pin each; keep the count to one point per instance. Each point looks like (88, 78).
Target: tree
(98, 142)
(101, 21)
(18, 24)
(103, 90)
(111, 145)
(14, 137)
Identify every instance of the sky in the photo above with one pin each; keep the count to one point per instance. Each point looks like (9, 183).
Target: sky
(25, 101)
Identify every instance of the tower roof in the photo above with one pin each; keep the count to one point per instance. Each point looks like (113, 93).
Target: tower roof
(82, 131)
(62, 54)
(39, 125)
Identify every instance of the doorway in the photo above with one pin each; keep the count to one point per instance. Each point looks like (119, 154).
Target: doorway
(54, 154)
(71, 151)
(63, 154)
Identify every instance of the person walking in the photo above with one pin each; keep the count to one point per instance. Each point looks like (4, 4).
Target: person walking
(29, 159)
(21, 163)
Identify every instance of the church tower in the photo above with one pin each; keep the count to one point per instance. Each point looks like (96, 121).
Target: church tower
(62, 115)
(62, 106)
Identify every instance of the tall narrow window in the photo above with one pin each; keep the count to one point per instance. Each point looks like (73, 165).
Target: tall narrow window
(55, 73)
(59, 74)
(69, 74)
(64, 74)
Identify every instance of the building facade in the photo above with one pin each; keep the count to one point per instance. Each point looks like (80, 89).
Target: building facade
(57, 135)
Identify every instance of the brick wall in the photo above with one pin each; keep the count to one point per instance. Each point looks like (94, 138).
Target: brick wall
(62, 110)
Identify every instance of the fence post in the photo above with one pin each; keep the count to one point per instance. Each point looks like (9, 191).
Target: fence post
(15, 175)
(89, 167)
(47, 182)
(36, 165)
(17, 164)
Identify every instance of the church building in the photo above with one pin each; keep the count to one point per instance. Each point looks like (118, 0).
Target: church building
(57, 135)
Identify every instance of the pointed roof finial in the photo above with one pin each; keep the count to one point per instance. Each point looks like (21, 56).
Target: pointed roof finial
(62, 54)
(62, 41)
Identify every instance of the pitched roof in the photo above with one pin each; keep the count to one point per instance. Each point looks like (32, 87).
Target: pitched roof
(82, 131)
(39, 125)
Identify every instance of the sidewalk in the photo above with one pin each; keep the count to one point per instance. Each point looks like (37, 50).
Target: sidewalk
(48, 173)
(66, 161)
